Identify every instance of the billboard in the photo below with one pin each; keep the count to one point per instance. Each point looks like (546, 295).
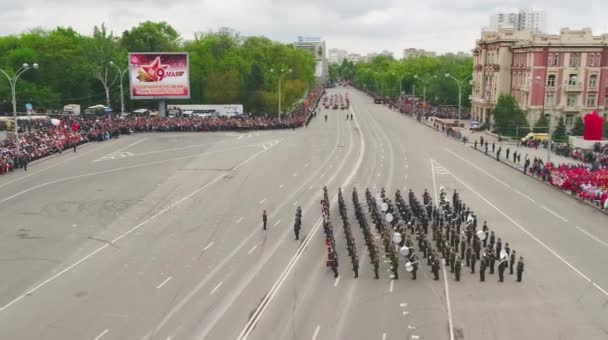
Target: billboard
(158, 75)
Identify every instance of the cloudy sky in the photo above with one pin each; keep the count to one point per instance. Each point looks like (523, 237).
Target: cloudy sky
(360, 26)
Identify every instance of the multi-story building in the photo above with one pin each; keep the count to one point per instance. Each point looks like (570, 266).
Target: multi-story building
(525, 19)
(387, 53)
(560, 75)
(410, 53)
(336, 56)
(354, 57)
(316, 46)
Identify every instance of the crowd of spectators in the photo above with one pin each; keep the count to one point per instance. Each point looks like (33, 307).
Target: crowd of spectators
(39, 138)
(580, 180)
(596, 157)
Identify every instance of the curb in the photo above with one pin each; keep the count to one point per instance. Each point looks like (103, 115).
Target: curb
(604, 211)
(55, 155)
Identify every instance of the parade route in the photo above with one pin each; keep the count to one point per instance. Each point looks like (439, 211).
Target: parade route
(159, 236)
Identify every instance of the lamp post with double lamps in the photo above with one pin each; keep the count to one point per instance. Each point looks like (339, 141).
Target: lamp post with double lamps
(459, 82)
(121, 74)
(280, 75)
(424, 82)
(13, 82)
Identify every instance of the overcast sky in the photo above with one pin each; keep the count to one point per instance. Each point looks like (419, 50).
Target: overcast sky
(360, 26)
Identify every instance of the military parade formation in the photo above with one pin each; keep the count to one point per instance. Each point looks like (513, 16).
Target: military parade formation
(404, 227)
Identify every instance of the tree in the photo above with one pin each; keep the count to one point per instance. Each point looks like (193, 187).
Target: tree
(541, 124)
(509, 118)
(102, 50)
(559, 135)
(151, 37)
(579, 127)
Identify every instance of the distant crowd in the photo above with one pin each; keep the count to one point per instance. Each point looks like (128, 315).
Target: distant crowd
(596, 157)
(39, 138)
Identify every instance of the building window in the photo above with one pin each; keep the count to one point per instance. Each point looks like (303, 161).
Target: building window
(595, 60)
(569, 120)
(575, 59)
(572, 79)
(572, 100)
(593, 80)
(553, 59)
(551, 80)
(549, 98)
(591, 100)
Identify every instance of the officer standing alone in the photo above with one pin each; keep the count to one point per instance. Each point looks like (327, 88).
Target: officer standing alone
(264, 219)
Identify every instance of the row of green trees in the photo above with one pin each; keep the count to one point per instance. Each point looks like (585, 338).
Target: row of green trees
(385, 75)
(510, 120)
(224, 67)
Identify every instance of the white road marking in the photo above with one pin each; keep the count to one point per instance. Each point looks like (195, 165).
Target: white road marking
(257, 313)
(383, 336)
(262, 201)
(130, 231)
(216, 287)
(252, 249)
(403, 304)
(295, 203)
(169, 337)
(592, 236)
(209, 245)
(163, 283)
(119, 150)
(241, 136)
(101, 335)
(277, 222)
(336, 281)
(281, 186)
(554, 213)
(390, 289)
(445, 279)
(239, 220)
(576, 270)
(316, 333)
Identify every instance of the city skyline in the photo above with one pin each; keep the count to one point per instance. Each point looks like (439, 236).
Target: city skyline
(356, 26)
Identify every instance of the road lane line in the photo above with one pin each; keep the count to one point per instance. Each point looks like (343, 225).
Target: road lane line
(102, 334)
(257, 313)
(445, 279)
(241, 136)
(383, 336)
(121, 149)
(262, 201)
(252, 249)
(281, 186)
(592, 236)
(576, 270)
(554, 214)
(336, 281)
(209, 245)
(216, 287)
(130, 231)
(295, 203)
(316, 333)
(277, 222)
(169, 337)
(163, 283)
(390, 289)
(239, 220)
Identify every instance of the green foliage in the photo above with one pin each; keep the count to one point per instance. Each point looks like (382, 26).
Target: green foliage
(559, 135)
(579, 127)
(541, 124)
(388, 75)
(224, 67)
(509, 119)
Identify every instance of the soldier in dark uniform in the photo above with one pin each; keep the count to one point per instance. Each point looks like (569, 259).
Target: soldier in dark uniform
(485, 230)
(507, 248)
(334, 264)
(356, 267)
(297, 225)
(457, 268)
(492, 239)
(468, 257)
(462, 246)
(435, 268)
(473, 261)
(414, 261)
(502, 265)
(498, 247)
(482, 270)
(512, 262)
(452, 261)
(376, 264)
(264, 219)
(520, 268)
(477, 246)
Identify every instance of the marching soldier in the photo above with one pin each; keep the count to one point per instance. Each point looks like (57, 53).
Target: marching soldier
(435, 268)
(507, 248)
(492, 239)
(492, 260)
(468, 257)
(473, 261)
(356, 267)
(520, 268)
(498, 247)
(414, 261)
(502, 265)
(462, 246)
(512, 262)
(482, 270)
(452, 261)
(376, 264)
(485, 230)
(457, 267)
(477, 246)
(334, 264)
(264, 218)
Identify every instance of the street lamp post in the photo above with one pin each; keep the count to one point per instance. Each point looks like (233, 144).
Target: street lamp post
(401, 82)
(121, 74)
(552, 106)
(424, 82)
(459, 82)
(280, 75)
(13, 82)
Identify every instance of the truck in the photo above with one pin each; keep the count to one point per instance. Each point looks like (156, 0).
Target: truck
(196, 110)
(72, 109)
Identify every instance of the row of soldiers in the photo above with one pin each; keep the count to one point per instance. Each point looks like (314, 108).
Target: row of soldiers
(330, 241)
(385, 233)
(367, 234)
(350, 240)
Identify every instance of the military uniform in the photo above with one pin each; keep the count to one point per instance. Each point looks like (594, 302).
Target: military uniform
(482, 270)
(520, 268)
(457, 268)
(502, 265)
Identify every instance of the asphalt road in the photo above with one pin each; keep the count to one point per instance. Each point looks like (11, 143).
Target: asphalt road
(159, 236)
